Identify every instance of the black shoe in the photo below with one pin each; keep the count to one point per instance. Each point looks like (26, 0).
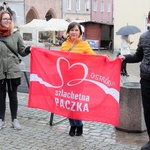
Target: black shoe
(79, 131)
(126, 75)
(146, 146)
(72, 130)
(122, 73)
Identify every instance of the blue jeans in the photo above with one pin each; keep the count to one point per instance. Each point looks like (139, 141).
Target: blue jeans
(74, 122)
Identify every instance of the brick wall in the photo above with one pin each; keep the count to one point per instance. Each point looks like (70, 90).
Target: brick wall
(41, 7)
(93, 32)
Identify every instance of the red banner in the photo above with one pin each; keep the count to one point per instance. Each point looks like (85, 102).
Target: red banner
(78, 86)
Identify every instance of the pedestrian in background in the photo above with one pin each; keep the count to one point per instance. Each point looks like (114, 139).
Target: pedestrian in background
(74, 43)
(6, 7)
(125, 49)
(142, 55)
(11, 44)
(148, 19)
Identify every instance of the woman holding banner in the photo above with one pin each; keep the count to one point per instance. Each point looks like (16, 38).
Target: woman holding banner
(11, 44)
(74, 43)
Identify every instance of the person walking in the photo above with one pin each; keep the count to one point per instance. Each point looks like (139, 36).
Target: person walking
(6, 7)
(125, 49)
(11, 44)
(74, 43)
(142, 55)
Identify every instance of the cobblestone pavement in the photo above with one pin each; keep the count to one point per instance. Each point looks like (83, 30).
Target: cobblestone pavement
(37, 134)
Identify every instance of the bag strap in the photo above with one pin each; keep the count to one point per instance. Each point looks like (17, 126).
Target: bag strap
(70, 49)
(8, 47)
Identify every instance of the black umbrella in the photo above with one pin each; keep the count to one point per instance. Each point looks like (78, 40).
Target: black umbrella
(127, 30)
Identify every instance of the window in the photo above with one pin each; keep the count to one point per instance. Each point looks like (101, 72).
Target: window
(68, 4)
(95, 5)
(27, 36)
(108, 6)
(77, 4)
(87, 5)
(93, 43)
(102, 5)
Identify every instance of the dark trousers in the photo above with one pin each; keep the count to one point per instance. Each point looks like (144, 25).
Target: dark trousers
(124, 67)
(74, 122)
(145, 89)
(11, 85)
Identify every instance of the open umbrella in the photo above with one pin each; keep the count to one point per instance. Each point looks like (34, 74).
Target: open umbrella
(127, 30)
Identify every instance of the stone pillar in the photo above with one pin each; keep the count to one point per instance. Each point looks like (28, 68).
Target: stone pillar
(131, 118)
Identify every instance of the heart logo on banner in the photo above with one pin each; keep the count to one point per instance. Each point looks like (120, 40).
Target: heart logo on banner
(72, 82)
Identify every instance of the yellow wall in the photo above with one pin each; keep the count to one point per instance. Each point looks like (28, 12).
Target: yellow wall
(131, 12)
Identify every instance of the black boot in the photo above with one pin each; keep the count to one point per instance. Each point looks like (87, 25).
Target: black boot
(122, 73)
(72, 130)
(79, 130)
(146, 146)
(126, 74)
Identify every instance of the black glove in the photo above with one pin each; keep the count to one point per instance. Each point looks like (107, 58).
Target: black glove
(27, 50)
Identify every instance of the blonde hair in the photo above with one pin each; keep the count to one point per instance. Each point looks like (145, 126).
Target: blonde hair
(12, 26)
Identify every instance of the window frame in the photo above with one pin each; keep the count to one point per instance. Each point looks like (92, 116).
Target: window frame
(95, 5)
(87, 5)
(102, 5)
(68, 4)
(77, 4)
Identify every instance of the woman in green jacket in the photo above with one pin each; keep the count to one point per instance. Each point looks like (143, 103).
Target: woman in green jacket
(10, 71)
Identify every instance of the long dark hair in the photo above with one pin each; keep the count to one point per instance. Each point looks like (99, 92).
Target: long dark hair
(72, 25)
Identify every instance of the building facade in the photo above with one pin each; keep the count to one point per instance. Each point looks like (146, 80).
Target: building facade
(102, 11)
(42, 9)
(85, 10)
(76, 10)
